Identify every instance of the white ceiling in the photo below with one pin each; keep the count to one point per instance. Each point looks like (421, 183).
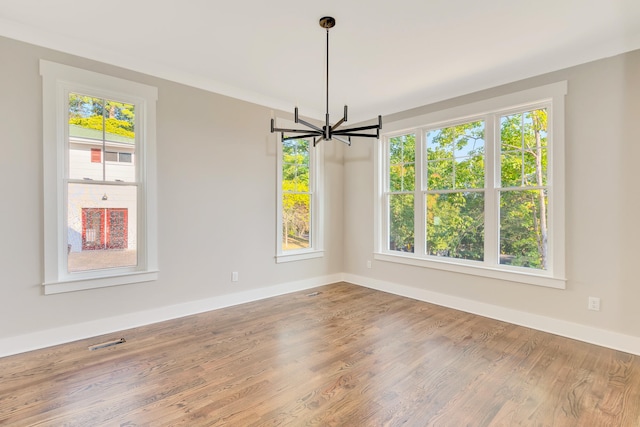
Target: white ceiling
(385, 56)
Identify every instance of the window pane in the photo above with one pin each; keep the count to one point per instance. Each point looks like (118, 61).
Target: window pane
(101, 226)
(125, 157)
(295, 165)
(402, 177)
(85, 137)
(402, 152)
(523, 144)
(401, 230)
(469, 172)
(440, 175)
(523, 228)
(402, 149)
(524, 168)
(511, 168)
(455, 225)
(523, 131)
(100, 125)
(535, 168)
(455, 157)
(439, 146)
(119, 119)
(296, 221)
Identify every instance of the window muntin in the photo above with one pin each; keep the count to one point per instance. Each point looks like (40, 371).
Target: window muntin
(101, 212)
(473, 190)
(455, 157)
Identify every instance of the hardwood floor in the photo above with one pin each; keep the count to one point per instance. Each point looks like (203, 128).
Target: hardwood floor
(348, 356)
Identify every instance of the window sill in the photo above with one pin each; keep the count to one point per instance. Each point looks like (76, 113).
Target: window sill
(299, 255)
(102, 282)
(519, 276)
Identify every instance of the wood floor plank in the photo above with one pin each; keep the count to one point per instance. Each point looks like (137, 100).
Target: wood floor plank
(346, 356)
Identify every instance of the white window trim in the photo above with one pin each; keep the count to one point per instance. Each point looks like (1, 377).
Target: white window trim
(58, 81)
(554, 276)
(316, 187)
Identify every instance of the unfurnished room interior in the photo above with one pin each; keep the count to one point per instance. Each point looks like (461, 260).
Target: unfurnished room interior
(416, 213)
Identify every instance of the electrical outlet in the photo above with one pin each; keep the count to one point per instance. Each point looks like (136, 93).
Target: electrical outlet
(368, 263)
(234, 276)
(594, 304)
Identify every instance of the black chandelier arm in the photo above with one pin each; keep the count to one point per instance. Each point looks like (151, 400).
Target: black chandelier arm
(346, 131)
(312, 132)
(310, 135)
(378, 126)
(361, 135)
(297, 119)
(316, 128)
(341, 121)
(334, 127)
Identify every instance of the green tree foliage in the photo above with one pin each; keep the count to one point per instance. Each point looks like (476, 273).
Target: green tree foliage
(401, 230)
(296, 198)
(95, 113)
(455, 225)
(455, 213)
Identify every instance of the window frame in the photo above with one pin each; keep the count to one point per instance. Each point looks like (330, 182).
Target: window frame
(316, 179)
(58, 81)
(490, 110)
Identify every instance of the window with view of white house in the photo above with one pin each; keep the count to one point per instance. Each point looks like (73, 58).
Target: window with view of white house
(478, 189)
(101, 216)
(99, 167)
(299, 200)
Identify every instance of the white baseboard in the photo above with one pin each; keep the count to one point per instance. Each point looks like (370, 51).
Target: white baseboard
(65, 334)
(601, 337)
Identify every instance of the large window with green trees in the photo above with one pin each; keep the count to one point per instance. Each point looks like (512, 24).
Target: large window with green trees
(299, 200)
(480, 190)
(99, 180)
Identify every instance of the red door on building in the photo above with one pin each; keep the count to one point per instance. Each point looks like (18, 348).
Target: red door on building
(104, 228)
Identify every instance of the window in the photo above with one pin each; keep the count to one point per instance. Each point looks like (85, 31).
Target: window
(299, 200)
(99, 180)
(96, 155)
(114, 156)
(478, 189)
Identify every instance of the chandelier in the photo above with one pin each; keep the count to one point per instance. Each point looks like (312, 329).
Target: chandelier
(328, 132)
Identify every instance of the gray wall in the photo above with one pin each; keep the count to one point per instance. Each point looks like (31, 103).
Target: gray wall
(602, 205)
(216, 166)
(216, 201)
